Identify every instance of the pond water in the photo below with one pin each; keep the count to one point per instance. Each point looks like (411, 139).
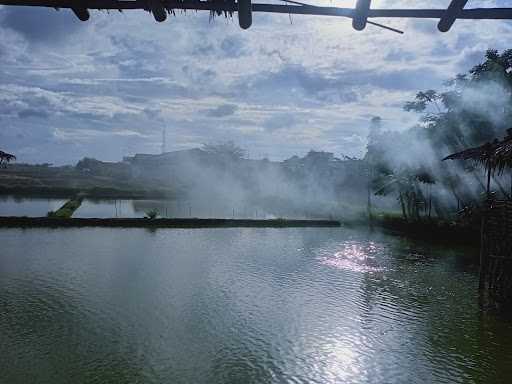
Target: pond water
(241, 306)
(130, 208)
(13, 206)
(101, 208)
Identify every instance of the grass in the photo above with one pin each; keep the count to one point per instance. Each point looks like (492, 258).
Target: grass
(67, 210)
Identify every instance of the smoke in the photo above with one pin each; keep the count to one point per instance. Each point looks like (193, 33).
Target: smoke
(219, 184)
(461, 116)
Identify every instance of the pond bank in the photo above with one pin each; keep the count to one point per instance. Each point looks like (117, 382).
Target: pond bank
(431, 230)
(94, 192)
(50, 222)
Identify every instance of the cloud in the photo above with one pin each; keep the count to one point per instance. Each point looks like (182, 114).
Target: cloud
(276, 89)
(38, 24)
(223, 110)
(233, 46)
(281, 121)
(29, 112)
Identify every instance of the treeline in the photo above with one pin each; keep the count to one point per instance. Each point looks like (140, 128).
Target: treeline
(471, 109)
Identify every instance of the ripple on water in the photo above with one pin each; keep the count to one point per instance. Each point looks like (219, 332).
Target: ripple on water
(353, 256)
(239, 306)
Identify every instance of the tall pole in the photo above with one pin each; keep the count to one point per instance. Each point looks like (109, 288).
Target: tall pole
(360, 17)
(483, 235)
(511, 186)
(488, 180)
(164, 139)
(369, 191)
(454, 9)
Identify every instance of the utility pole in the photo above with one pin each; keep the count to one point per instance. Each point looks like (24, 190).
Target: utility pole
(164, 139)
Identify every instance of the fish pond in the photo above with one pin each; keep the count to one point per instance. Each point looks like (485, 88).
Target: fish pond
(242, 306)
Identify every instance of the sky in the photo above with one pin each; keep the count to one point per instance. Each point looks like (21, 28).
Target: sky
(108, 87)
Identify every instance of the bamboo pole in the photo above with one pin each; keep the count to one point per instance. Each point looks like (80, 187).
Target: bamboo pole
(483, 237)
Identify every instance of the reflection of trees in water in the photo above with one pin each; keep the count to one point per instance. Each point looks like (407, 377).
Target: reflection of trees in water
(418, 320)
(426, 305)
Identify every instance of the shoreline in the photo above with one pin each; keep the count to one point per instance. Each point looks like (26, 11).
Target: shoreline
(429, 230)
(93, 193)
(49, 222)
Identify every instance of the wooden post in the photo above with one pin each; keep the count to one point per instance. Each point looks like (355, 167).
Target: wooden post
(360, 17)
(481, 282)
(429, 201)
(453, 10)
(489, 180)
(483, 235)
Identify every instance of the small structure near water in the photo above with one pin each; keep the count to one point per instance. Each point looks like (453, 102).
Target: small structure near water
(496, 222)
(496, 252)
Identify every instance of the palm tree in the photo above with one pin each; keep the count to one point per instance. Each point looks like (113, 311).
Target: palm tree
(410, 197)
(6, 158)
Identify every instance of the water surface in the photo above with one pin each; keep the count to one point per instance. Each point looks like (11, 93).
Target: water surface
(132, 208)
(33, 207)
(241, 306)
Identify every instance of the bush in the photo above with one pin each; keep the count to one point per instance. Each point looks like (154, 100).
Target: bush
(151, 214)
(67, 210)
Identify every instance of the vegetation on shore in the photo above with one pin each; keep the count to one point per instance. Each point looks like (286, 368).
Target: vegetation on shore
(401, 170)
(67, 210)
(473, 109)
(434, 229)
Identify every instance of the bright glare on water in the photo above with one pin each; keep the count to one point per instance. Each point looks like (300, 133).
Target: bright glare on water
(241, 306)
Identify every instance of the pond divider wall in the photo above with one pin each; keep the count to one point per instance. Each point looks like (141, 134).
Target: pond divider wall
(28, 222)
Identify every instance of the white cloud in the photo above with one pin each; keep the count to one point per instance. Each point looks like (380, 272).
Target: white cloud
(277, 89)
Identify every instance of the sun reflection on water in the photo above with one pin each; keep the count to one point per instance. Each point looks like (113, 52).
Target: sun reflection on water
(353, 256)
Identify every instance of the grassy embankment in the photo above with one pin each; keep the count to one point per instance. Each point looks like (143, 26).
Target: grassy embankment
(67, 210)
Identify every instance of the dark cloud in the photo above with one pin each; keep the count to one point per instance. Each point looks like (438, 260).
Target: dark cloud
(279, 121)
(136, 75)
(428, 27)
(36, 113)
(203, 48)
(40, 24)
(398, 54)
(233, 46)
(136, 57)
(294, 84)
(223, 110)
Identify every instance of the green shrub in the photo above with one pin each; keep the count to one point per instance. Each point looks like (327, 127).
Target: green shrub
(151, 214)
(67, 210)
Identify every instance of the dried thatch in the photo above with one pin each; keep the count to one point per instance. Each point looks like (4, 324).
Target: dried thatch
(503, 154)
(495, 156)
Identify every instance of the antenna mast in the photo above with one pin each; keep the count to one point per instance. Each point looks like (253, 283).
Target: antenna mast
(164, 140)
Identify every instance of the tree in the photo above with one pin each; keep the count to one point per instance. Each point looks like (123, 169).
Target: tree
(6, 158)
(406, 184)
(226, 149)
(473, 109)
